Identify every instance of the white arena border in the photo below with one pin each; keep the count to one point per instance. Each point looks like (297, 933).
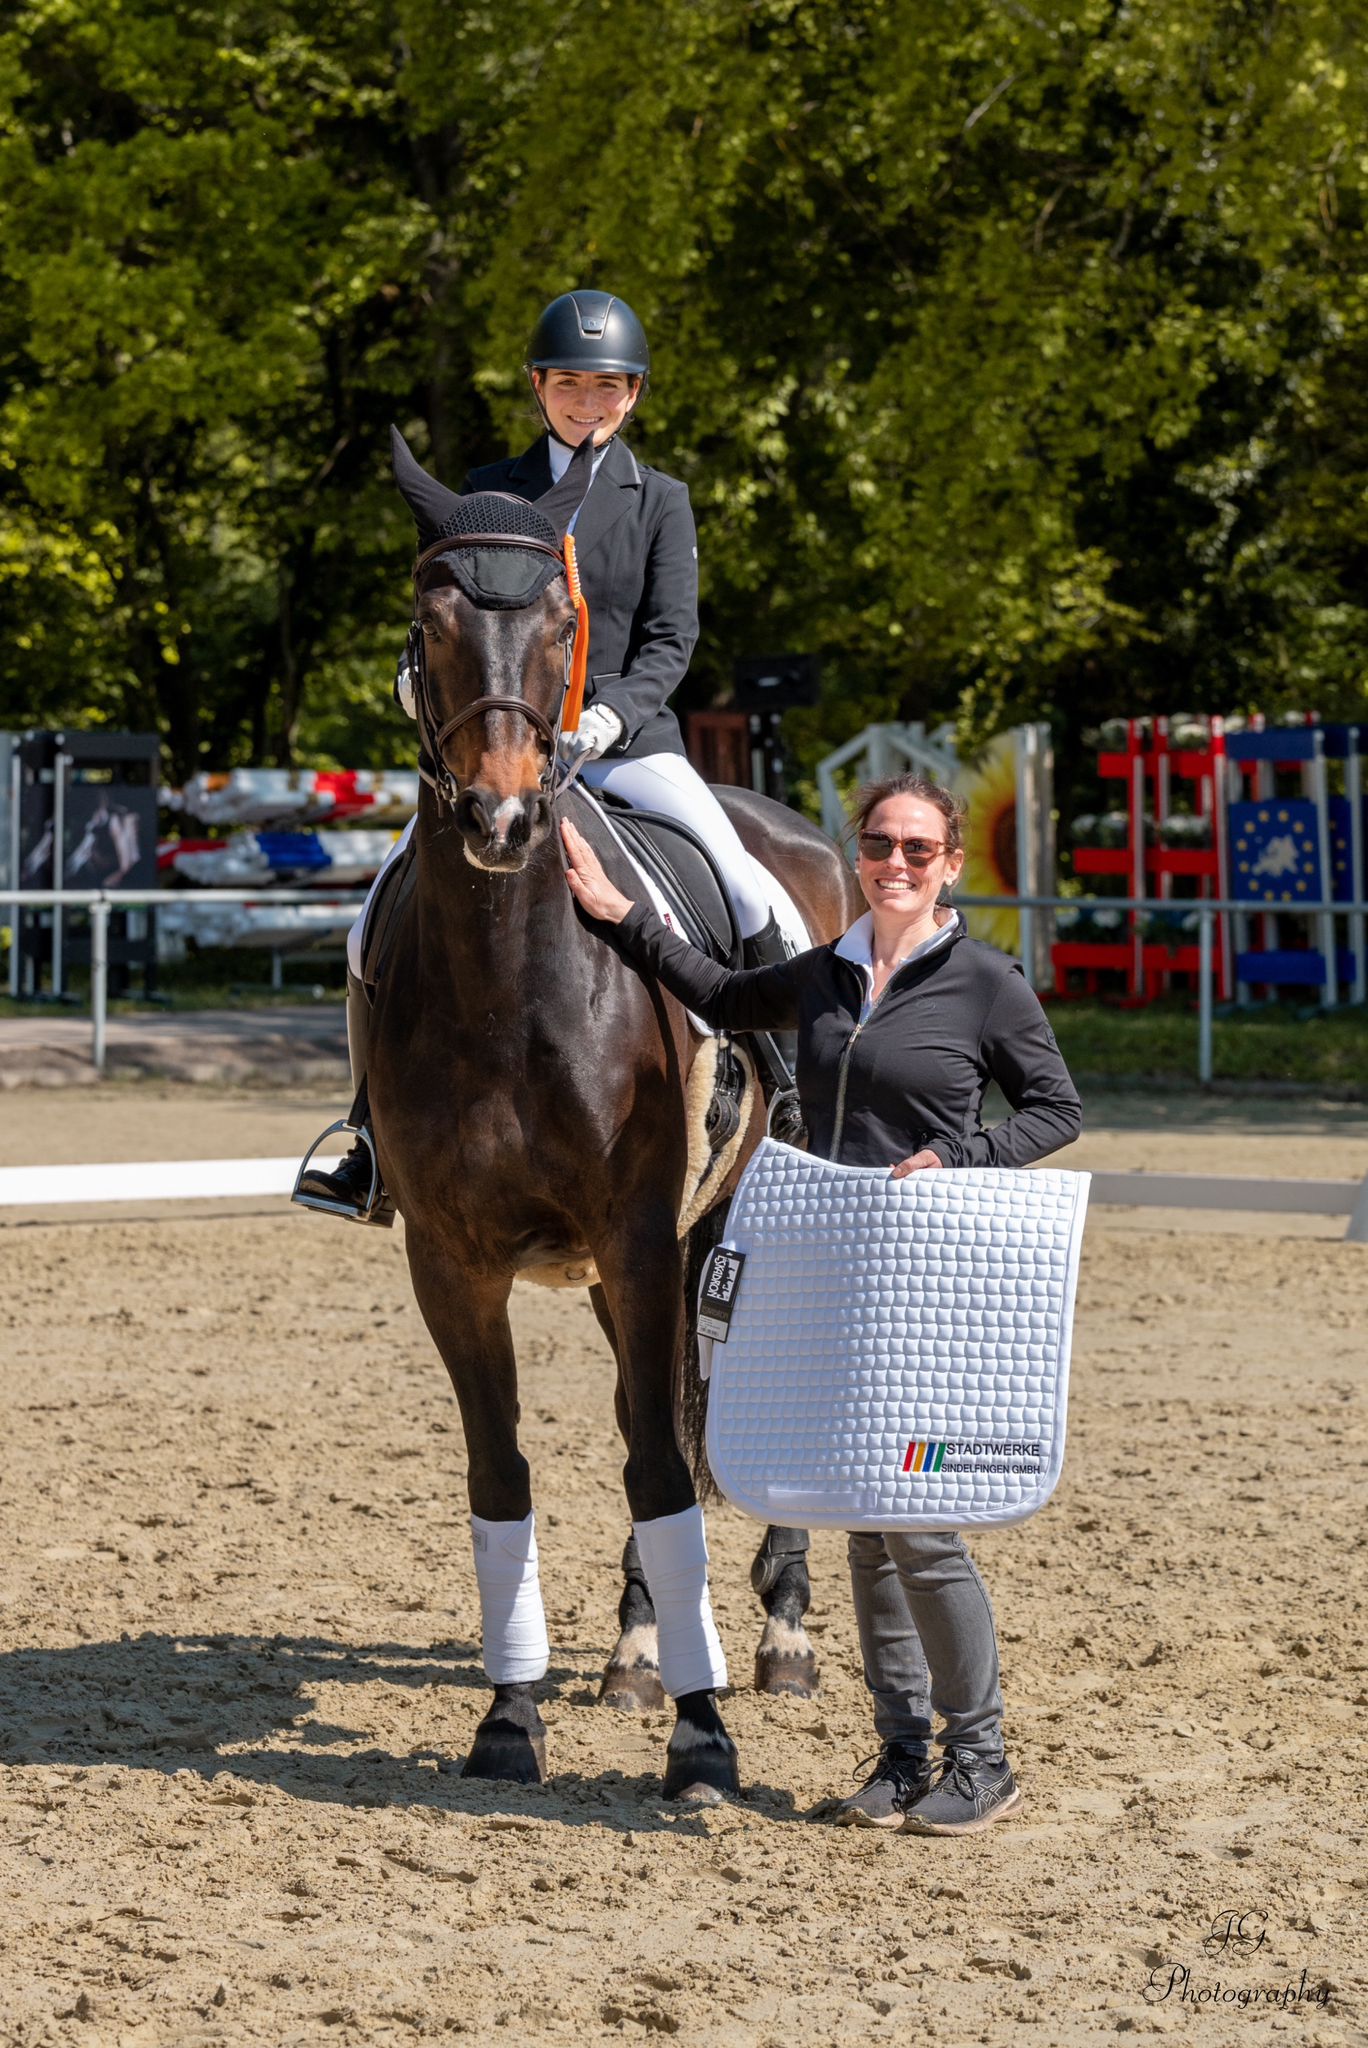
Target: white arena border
(137, 1180)
(170, 1180)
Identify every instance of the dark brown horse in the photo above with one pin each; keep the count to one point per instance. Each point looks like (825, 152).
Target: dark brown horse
(528, 1095)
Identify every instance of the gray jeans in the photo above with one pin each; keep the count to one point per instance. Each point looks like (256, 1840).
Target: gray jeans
(919, 1603)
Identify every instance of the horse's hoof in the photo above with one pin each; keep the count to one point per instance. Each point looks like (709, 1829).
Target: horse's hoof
(695, 1795)
(703, 1770)
(632, 1689)
(507, 1752)
(777, 1671)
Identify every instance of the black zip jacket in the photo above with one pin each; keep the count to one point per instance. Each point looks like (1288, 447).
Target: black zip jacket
(913, 1076)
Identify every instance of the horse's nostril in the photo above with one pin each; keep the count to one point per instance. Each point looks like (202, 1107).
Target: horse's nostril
(472, 815)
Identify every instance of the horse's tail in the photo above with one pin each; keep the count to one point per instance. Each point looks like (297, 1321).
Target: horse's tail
(691, 1399)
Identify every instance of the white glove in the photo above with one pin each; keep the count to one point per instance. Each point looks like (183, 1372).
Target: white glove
(599, 728)
(403, 685)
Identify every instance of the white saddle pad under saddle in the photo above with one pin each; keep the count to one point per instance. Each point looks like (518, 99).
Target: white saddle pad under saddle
(890, 1354)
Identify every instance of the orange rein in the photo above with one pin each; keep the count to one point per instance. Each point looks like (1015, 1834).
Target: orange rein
(579, 660)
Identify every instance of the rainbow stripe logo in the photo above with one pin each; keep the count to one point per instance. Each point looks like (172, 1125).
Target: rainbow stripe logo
(924, 1457)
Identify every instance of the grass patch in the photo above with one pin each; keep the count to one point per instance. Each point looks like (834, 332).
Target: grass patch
(1275, 1043)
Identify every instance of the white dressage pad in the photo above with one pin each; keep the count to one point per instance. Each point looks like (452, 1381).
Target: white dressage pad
(897, 1355)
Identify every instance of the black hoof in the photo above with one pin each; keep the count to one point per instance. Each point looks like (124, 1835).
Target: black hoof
(700, 1761)
(510, 1743)
(632, 1689)
(776, 1672)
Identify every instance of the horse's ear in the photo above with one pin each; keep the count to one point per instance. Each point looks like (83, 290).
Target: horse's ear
(431, 503)
(563, 500)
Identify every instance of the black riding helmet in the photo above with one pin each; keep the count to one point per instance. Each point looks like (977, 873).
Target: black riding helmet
(590, 331)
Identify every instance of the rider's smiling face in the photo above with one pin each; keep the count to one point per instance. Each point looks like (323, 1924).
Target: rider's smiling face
(580, 403)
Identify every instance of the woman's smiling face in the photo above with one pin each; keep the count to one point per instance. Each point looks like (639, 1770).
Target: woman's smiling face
(897, 888)
(581, 403)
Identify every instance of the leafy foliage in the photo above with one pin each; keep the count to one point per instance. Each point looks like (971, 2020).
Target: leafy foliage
(1015, 358)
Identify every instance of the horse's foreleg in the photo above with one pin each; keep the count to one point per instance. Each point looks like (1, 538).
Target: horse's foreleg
(467, 1315)
(631, 1677)
(642, 1274)
(784, 1662)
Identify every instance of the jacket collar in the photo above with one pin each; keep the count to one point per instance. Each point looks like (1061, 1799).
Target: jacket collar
(857, 944)
(612, 492)
(530, 473)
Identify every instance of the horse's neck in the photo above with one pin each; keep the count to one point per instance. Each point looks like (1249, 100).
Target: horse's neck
(487, 939)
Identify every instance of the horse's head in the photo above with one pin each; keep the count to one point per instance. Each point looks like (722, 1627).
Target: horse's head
(490, 651)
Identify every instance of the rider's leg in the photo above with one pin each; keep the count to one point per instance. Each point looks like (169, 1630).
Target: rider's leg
(670, 784)
(349, 1182)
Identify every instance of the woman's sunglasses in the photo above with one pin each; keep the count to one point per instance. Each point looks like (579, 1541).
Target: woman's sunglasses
(918, 853)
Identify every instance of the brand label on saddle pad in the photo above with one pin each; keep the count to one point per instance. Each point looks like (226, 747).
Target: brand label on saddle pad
(717, 1292)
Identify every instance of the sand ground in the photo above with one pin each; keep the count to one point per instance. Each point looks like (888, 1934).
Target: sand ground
(238, 1657)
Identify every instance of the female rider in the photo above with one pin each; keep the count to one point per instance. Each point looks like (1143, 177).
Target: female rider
(588, 364)
(919, 1018)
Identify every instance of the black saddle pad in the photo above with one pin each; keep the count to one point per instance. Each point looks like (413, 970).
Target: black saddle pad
(679, 862)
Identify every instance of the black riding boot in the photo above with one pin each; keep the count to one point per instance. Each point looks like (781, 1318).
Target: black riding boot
(346, 1188)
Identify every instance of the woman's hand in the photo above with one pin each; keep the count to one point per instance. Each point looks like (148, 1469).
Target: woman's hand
(919, 1162)
(589, 886)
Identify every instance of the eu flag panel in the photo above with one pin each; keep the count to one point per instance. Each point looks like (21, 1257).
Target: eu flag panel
(1342, 880)
(1275, 852)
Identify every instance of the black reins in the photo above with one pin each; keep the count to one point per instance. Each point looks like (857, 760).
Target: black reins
(440, 778)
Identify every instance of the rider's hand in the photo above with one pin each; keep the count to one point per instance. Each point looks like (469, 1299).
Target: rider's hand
(598, 729)
(919, 1162)
(589, 886)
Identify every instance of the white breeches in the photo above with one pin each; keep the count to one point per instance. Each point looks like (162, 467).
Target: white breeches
(513, 1621)
(658, 782)
(673, 786)
(674, 1557)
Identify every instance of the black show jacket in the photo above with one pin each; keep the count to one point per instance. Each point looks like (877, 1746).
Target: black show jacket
(638, 563)
(914, 1074)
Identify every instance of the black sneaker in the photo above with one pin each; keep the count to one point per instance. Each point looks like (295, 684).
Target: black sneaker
(970, 1793)
(901, 1774)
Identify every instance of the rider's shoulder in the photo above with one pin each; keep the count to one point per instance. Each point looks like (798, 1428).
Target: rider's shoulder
(489, 476)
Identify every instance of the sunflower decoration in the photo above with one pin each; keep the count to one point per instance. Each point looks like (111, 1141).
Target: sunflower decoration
(989, 787)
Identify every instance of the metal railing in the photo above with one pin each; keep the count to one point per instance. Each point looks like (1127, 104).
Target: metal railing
(101, 903)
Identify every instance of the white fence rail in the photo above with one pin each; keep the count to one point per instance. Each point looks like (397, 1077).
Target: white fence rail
(100, 904)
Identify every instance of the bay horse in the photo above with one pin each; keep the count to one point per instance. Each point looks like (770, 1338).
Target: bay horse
(527, 1095)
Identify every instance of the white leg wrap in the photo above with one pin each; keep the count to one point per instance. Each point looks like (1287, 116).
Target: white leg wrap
(516, 1651)
(674, 1557)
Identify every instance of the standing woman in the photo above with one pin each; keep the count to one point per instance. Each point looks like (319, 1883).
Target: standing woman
(901, 1025)
(637, 552)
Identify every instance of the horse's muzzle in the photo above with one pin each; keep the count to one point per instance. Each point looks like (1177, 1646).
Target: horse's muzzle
(501, 832)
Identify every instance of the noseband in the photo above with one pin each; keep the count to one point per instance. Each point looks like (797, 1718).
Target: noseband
(440, 778)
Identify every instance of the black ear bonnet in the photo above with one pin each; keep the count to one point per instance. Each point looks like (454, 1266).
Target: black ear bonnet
(499, 579)
(495, 578)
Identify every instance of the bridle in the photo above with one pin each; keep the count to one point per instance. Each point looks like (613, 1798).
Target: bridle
(438, 776)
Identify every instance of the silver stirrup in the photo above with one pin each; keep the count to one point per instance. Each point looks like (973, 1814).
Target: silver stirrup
(373, 1199)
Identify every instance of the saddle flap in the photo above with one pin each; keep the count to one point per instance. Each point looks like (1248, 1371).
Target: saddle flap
(383, 915)
(684, 870)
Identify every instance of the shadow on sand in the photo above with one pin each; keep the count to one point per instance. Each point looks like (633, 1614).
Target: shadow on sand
(214, 1704)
